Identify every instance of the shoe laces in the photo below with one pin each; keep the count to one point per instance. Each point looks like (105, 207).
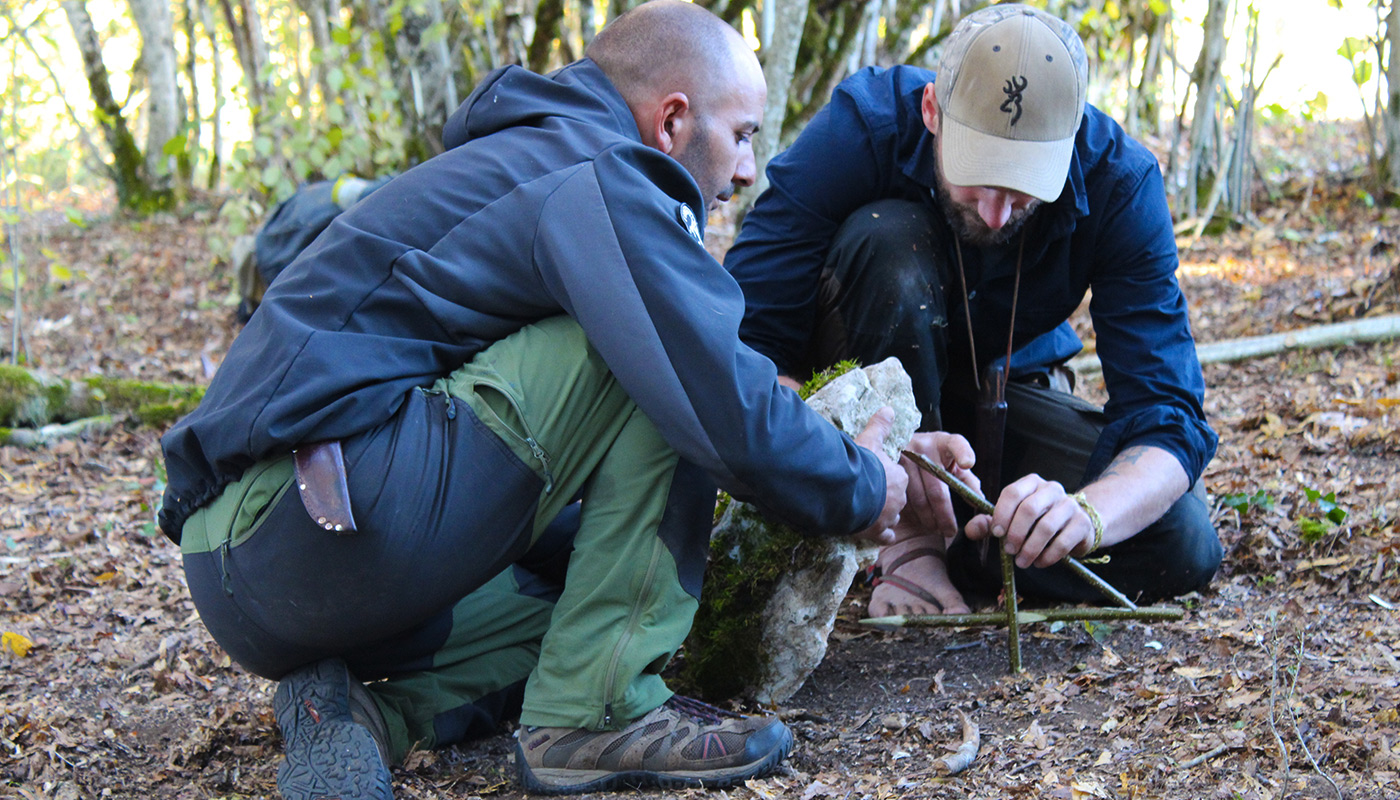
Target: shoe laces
(704, 712)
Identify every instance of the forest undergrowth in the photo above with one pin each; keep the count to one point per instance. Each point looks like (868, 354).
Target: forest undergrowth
(1282, 681)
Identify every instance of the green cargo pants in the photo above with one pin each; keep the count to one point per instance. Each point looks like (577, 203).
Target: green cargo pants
(435, 601)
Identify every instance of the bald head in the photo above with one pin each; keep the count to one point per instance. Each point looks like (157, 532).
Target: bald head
(694, 88)
(669, 46)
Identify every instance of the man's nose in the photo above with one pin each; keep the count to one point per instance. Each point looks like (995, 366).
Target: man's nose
(746, 171)
(994, 207)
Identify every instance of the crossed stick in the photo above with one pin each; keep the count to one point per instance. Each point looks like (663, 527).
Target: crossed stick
(1010, 616)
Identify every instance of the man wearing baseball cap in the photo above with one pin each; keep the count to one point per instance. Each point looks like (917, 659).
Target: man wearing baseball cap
(953, 219)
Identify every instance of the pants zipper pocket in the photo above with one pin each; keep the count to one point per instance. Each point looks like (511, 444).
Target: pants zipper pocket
(527, 438)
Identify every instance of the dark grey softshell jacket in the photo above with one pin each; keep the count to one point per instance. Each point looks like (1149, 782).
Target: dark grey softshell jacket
(546, 203)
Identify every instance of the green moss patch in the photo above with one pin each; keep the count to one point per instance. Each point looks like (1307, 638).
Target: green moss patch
(820, 379)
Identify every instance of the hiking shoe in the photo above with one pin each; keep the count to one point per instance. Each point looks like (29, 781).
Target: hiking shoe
(681, 743)
(329, 755)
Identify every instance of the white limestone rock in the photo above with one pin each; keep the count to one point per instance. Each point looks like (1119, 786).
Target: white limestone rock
(801, 611)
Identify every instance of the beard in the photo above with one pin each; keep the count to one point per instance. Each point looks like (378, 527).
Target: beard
(967, 225)
(700, 160)
(970, 228)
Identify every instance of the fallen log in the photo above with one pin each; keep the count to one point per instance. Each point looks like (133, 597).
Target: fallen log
(33, 399)
(1369, 329)
(33, 438)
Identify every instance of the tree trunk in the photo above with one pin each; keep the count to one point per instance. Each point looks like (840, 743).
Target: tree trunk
(779, 61)
(1240, 186)
(126, 171)
(827, 41)
(162, 109)
(548, 16)
(9, 216)
(443, 98)
(246, 26)
(412, 67)
(1145, 96)
(512, 44)
(1202, 163)
(216, 155)
(40, 437)
(869, 37)
(48, 65)
(192, 135)
(620, 7)
(1391, 120)
(587, 25)
(319, 22)
(300, 63)
(908, 19)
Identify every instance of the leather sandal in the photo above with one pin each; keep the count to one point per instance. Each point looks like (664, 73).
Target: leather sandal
(887, 576)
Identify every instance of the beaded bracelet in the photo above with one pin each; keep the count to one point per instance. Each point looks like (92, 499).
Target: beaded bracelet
(1094, 519)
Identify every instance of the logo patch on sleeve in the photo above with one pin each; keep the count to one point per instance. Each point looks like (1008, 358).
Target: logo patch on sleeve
(688, 221)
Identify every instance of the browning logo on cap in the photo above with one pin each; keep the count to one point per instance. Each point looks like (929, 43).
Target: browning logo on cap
(1014, 86)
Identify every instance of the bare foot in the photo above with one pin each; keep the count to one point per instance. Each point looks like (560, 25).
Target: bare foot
(914, 580)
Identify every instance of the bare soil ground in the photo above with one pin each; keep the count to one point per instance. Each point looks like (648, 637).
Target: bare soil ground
(1283, 681)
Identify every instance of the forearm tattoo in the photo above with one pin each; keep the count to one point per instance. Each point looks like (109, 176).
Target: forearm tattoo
(1124, 462)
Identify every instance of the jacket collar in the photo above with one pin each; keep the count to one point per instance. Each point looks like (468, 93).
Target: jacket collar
(586, 73)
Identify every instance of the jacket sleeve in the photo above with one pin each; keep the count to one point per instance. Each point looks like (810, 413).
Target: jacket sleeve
(1156, 391)
(613, 248)
(831, 170)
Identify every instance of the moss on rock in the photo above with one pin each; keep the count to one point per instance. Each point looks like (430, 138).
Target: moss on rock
(815, 383)
(724, 655)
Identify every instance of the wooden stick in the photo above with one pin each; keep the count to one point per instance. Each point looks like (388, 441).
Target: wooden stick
(966, 753)
(1142, 614)
(1203, 758)
(991, 432)
(1099, 583)
(1013, 628)
(964, 491)
(981, 503)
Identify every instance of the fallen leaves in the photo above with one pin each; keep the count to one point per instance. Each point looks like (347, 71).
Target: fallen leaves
(123, 693)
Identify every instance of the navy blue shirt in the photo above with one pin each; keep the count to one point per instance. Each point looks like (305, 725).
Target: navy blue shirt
(1109, 231)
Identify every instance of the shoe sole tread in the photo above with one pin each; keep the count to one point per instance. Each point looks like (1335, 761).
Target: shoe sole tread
(328, 755)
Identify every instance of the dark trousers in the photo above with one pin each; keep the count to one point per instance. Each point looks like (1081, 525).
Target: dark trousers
(885, 292)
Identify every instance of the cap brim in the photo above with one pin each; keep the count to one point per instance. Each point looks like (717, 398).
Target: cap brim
(972, 158)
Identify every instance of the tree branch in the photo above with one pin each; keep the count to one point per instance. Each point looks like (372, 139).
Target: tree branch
(1369, 329)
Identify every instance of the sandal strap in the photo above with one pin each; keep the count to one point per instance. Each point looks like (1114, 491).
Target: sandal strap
(887, 575)
(912, 588)
(905, 558)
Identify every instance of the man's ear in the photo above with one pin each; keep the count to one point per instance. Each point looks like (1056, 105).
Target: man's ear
(929, 106)
(669, 121)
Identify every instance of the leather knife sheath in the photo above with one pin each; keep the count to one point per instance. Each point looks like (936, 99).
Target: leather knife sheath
(320, 476)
